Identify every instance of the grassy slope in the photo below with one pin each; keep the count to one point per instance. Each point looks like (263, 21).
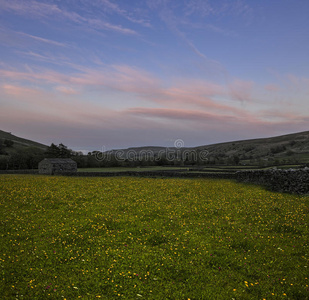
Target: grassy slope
(133, 238)
(19, 142)
(296, 142)
(257, 148)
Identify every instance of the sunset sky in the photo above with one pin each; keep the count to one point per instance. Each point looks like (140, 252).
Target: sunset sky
(122, 73)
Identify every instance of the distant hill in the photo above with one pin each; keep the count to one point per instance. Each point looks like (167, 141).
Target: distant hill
(290, 148)
(285, 149)
(19, 143)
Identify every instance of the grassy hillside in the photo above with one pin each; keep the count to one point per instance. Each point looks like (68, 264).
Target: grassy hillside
(263, 152)
(19, 143)
(19, 153)
(290, 148)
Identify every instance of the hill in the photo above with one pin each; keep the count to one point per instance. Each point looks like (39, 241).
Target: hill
(19, 153)
(19, 142)
(285, 148)
(290, 148)
(279, 150)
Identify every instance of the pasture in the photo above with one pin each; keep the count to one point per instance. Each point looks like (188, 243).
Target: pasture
(145, 238)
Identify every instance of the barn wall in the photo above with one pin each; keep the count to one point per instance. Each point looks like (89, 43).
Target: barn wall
(50, 168)
(45, 168)
(64, 168)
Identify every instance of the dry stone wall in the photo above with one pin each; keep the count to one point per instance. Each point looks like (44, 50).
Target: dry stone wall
(153, 174)
(294, 181)
(19, 171)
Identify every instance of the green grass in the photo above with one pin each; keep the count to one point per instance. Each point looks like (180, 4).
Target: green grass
(142, 238)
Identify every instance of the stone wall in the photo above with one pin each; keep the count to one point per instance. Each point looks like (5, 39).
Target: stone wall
(170, 173)
(34, 171)
(153, 174)
(294, 181)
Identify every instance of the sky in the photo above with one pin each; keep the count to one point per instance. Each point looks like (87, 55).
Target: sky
(110, 74)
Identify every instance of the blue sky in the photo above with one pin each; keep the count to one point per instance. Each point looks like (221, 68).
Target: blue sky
(122, 73)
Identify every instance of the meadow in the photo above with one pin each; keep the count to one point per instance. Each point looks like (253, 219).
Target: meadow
(146, 238)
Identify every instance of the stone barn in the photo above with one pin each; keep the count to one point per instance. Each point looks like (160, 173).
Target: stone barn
(51, 166)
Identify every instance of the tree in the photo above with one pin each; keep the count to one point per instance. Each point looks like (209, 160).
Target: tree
(81, 161)
(4, 162)
(2, 152)
(64, 151)
(54, 151)
(33, 157)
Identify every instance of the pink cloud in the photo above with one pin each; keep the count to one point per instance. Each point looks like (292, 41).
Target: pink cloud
(48, 76)
(148, 88)
(290, 82)
(201, 94)
(241, 90)
(297, 82)
(118, 77)
(122, 78)
(272, 87)
(66, 90)
(19, 91)
(74, 121)
(142, 85)
(27, 104)
(283, 116)
(35, 101)
(188, 115)
(196, 101)
(191, 122)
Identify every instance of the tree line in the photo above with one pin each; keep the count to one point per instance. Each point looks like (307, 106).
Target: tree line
(15, 157)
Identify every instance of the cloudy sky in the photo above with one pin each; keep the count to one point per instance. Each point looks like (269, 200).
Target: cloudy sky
(122, 73)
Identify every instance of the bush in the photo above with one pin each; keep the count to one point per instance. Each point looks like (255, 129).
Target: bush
(8, 143)
(277, 149)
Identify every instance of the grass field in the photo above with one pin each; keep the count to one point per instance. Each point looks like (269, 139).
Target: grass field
(139, 238)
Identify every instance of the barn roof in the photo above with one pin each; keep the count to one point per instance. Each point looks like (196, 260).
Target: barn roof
(59, 160)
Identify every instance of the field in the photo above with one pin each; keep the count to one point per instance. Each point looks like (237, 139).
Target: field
(140, 238)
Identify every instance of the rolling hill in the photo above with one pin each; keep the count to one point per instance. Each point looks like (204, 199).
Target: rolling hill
(18, 142)
(19, 153)
(289, 148)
